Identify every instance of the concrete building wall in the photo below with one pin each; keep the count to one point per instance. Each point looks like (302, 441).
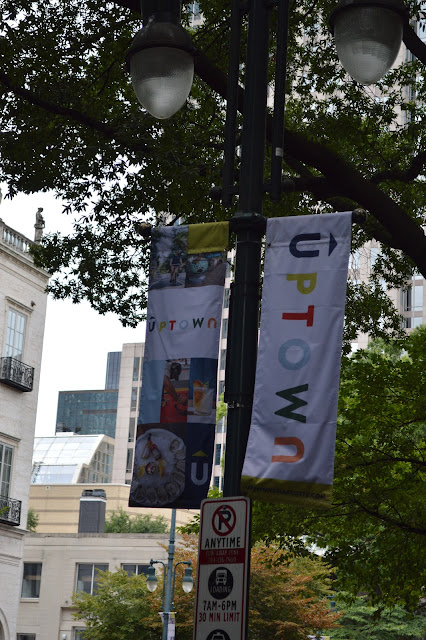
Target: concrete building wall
(49, 616)
(22, 288)
(58, 506)
(409, 301)
(127, 411)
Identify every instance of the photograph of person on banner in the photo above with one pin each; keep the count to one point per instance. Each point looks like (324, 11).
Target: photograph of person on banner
(168, 260)
(174, 401)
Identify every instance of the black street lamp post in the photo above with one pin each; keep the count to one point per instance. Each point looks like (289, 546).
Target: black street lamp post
(366, 31)
(368, 34)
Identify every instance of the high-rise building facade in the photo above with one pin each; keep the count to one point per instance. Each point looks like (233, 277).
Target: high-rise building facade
(127, 411)
(87, 412)
(112, 378)
(22, 317)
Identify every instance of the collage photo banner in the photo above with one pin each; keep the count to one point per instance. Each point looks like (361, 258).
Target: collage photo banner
(290, 451)
(177, 415)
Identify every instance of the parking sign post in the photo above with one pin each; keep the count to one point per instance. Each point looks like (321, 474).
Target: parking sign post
(223, 570)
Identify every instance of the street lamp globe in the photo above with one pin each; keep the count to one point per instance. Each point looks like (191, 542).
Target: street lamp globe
(161, 65)
(187, 580)
(368, 36)
(151, 580)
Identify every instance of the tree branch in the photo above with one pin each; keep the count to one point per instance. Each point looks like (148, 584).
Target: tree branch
(399, 525)
(417, 164)
(108, 131)
(399, 229)
(413, 43)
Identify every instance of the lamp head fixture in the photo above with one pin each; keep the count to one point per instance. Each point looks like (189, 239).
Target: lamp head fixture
(161, 61)
(151, 580)
(187, 580)
(368, 36)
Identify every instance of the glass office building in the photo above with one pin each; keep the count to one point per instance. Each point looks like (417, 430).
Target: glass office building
(87, 412)
(112, 378)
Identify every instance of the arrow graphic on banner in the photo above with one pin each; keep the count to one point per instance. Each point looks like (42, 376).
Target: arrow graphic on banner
(310, 237)
(332, 245)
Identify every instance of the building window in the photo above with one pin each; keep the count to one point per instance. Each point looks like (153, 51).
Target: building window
(131, 437)
(87, 577)
(412, 298)
(219, 426)
(222, 359)
(135, 569)
(221, 387)
(406, 295)
(417, 322)
(224, 328)
(25, 636)
(418, 297)
(31, 580)
(226, 298)
(216, 480)
(15, 335)
(217, 454)
(136, 367)
(129, 461)
(134, 399)
(78, 634)
(6, 455)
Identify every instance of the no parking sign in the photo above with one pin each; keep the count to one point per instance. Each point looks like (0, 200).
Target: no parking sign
(223, 569)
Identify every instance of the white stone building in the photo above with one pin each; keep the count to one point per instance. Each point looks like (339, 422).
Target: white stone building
(22, 318)
(57, 565)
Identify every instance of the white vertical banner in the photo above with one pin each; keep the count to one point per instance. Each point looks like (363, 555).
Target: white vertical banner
(290, 451)
(171, 624)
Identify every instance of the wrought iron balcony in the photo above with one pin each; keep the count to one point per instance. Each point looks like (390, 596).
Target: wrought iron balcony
(10, 511)
(16, 374)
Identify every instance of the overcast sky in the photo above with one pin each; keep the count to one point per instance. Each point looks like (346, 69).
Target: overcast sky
(76, 338)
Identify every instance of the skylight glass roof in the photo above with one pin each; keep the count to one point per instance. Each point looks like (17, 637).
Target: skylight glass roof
(68, 458)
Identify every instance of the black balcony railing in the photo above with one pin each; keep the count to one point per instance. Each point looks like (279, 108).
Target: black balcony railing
(16, 374)
(10, 511)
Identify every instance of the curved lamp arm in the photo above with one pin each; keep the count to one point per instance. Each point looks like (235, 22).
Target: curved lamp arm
(414, 43)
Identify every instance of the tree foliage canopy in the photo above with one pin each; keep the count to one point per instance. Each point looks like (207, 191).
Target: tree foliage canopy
(121, 522)
(32, 520)
(286, 602)
(70, 123)
(374, 532)
(361, 620)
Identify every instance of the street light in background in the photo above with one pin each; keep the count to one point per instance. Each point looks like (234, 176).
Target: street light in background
(169, 578)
